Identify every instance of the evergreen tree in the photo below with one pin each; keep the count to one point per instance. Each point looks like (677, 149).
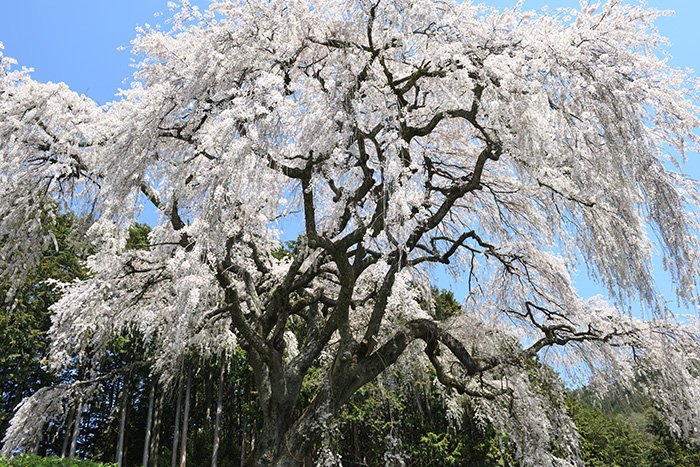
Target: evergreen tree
(25, 317)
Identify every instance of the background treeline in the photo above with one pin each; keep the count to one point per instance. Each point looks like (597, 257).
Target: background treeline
(208, 416)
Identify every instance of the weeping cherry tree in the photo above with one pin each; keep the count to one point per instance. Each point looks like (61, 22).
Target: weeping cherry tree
(398, 139)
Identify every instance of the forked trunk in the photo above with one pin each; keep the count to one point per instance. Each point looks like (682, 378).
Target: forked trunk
(278, 394)
(275, 450)
(288, 439)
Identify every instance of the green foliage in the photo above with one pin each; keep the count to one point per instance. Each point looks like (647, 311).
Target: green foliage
(614, 432)
(445, 304)
(667, 450)
(372, 414)
(24, 318)
(440, 446)
(23, 335)
(138, 237)
(476, 447)
(36, 461)
(415, 412)
(287, 250)
(608, 439)
(622, 432)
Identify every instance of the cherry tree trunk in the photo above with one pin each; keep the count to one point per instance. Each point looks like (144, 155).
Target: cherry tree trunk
(291, 441)
(277, 396)
(287, 438)
(275, 449)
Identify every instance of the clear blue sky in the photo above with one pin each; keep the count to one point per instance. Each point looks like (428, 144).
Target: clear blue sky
(76, 41)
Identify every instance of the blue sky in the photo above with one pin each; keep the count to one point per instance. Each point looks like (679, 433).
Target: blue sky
(76, 41)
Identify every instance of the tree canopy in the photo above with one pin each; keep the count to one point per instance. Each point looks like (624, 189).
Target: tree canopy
(506, 146)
